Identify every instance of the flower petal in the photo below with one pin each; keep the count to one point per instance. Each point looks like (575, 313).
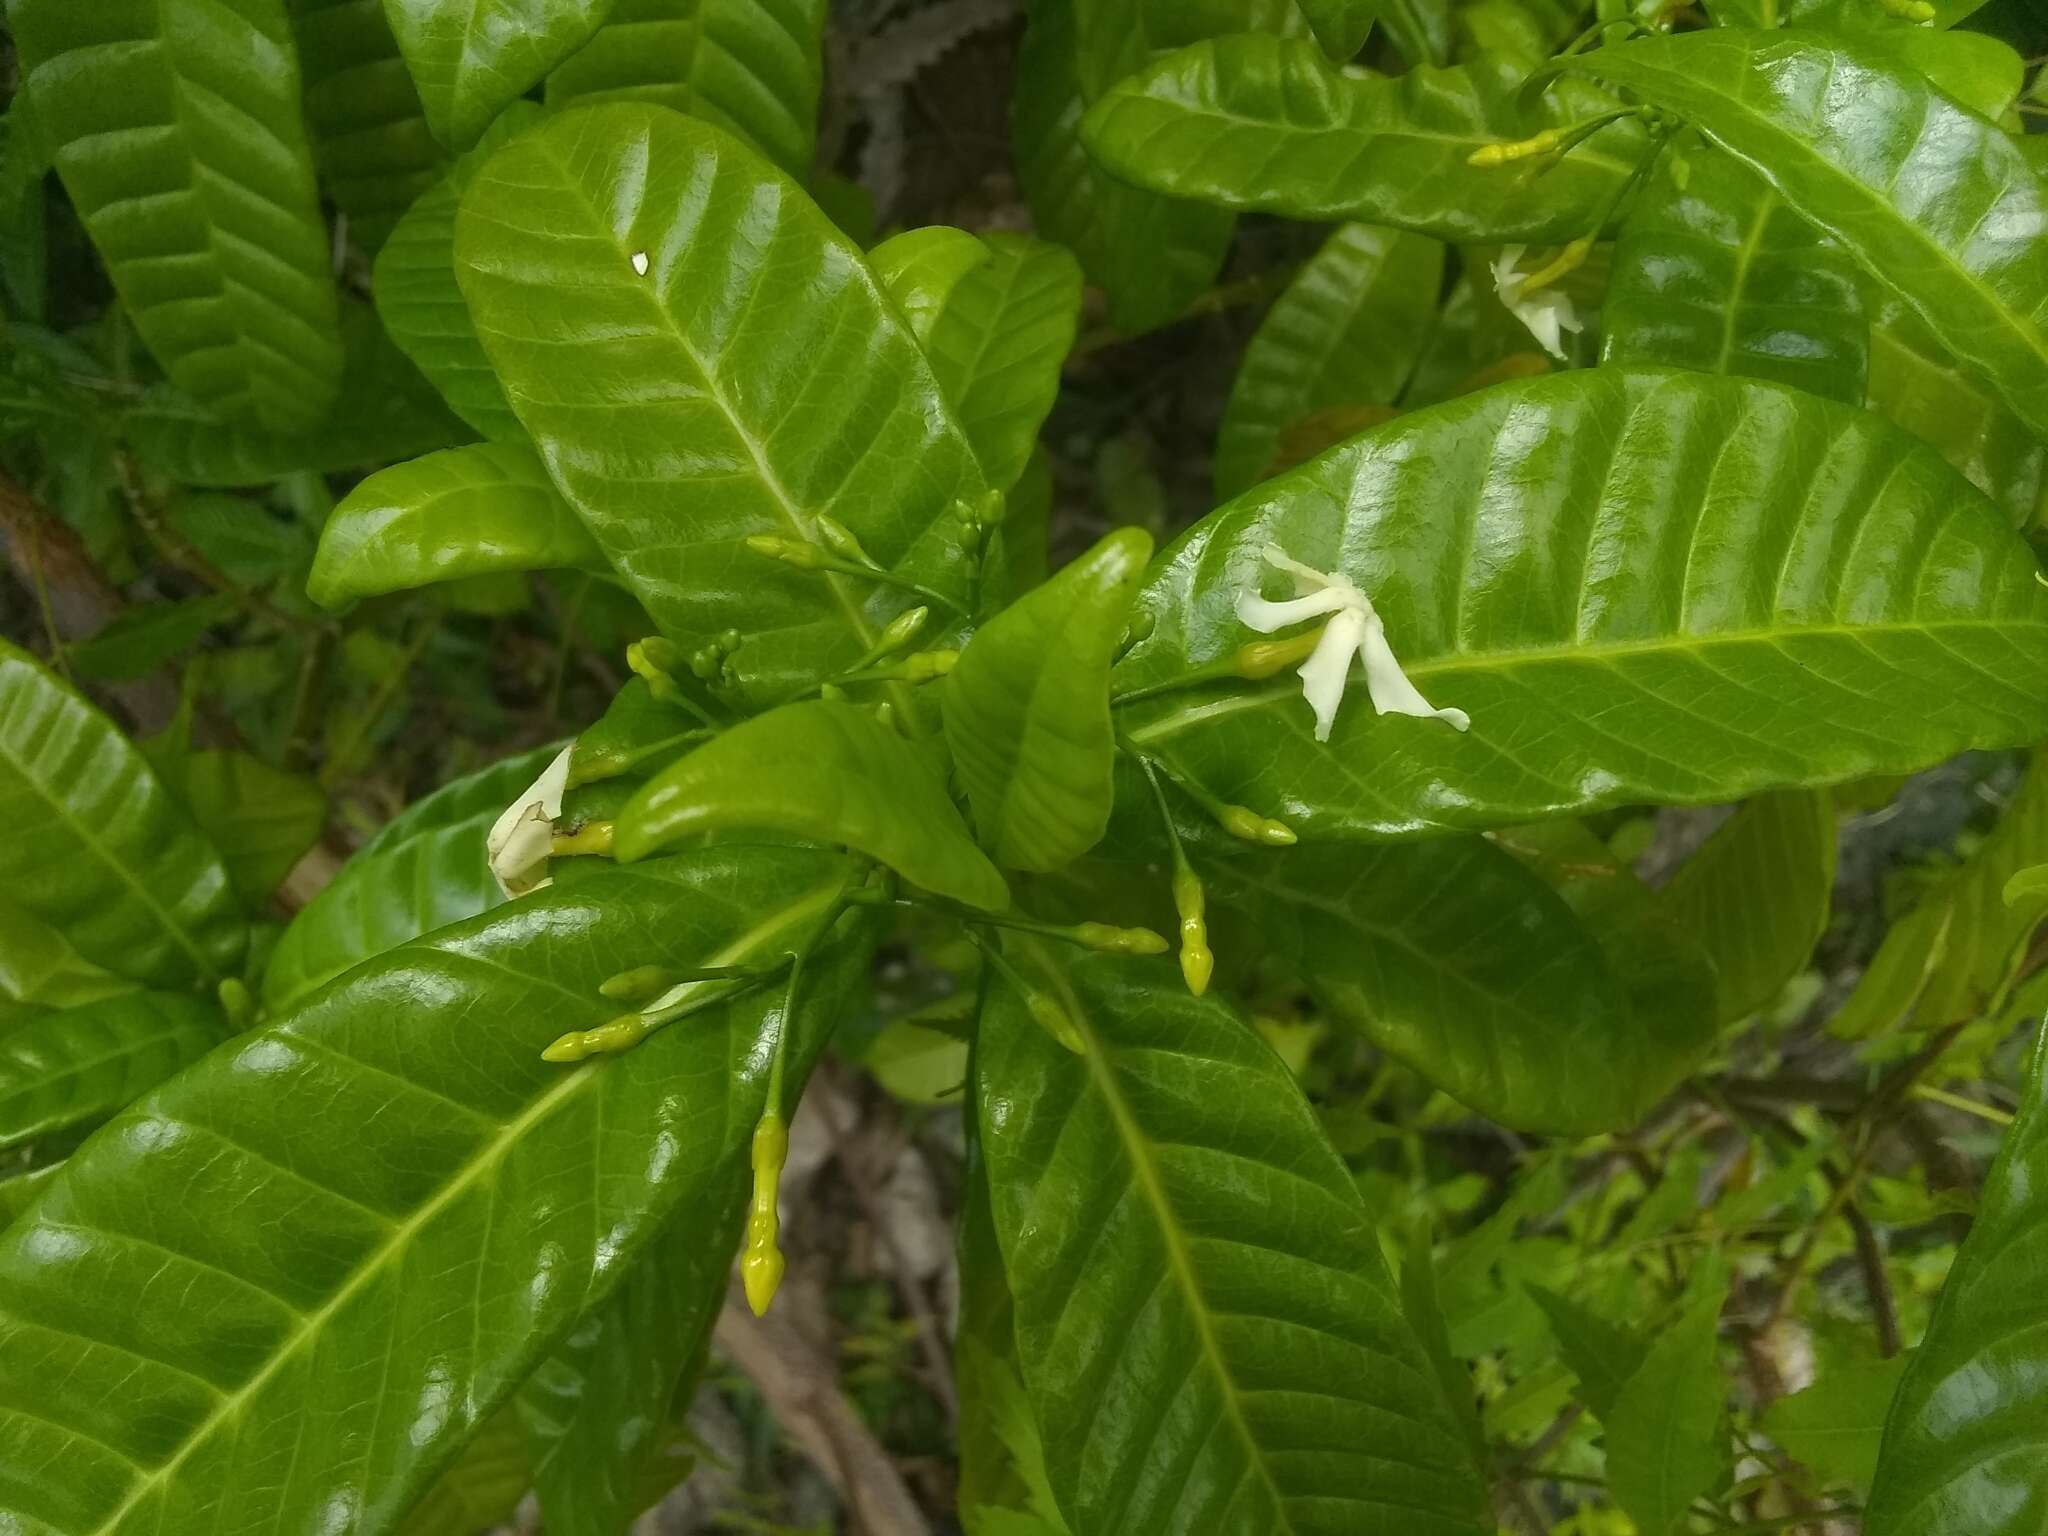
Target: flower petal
(1256, 612)
(1328, 667)
(1392, 692)
(521, 839)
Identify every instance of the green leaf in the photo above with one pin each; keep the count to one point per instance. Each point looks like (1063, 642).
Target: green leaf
(751, 67)
(1714, 272)
(391, 1160)
(1936, 204)
(96, 847)
(1834, 1425)
(722, 373)
(1642, 586)
(1964, 1441)
(997, 346)
(1452, 957)
(262, 819)
(1348, 331)
(38, 964)
(1027, 709)
(462, 512)
(1204, 1320)
(1947, 957)
(1667, 1443)
(920, 268)
(1757, 894)
(1419, 29)
(179, 137)
(637, 734)
(19, 1190)
(1266, 124)
(481, 1488)
(137, 642)
(243, 539)
(370, 136)
(917, 1064)
(1604, 1356)
(1018, 557)
(1916, 383)
(385, 410)
(1980, 72)
(425, 870)
(472, 58)
(72, 1068)
(826, 771)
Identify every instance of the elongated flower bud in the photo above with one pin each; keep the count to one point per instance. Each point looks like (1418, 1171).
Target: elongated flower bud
(1487, 155)
(1197, 962)
(840, 539)
(761, 1261)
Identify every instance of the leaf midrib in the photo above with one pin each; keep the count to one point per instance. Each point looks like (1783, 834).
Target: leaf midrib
(574, 1081)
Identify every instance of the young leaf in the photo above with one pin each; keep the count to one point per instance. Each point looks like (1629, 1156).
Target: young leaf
(1667, 1442)
(1604, 1356)
(1935, 203)
(183, 150)
(1266, 124)
(97, 849)
(1027, 709)
(920, 268)
(724, 374)
(1965, 1439)
(473, 58)
(1944, 960)
(997, 346)
(262, 819)
(73, 1067)
(1714, 271)
(1347, 332)
(751, 67)
(1204, 1320)
(819, 770)
(423, 871)
(384, 410)
(1757, 894)
(461, 512)
(1834, 1426)
(1703, 587)
(390, 1160)
(370, 136)
(1454, 958)
(636, 735)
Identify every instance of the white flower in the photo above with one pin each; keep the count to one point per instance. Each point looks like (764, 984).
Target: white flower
(523, 837)
(640, 262)
(1354, 629)
(1548, 312)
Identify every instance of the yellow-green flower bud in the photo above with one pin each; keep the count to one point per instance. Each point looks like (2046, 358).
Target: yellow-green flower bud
(621, 1034)
(1263, 658)
(923, 666)
(1053, 1019)
(593, 838)
(903, 629)
(638, 984)
(1197, 962)
(839, 538)
(789, 551)
(1487, 155)
(761, 1262)
(1240, 821)
(236, 1002)
(1118, 941)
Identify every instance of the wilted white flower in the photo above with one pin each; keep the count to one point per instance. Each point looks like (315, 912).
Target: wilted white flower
(1354, 629)
(1548, 312)
(522, 838)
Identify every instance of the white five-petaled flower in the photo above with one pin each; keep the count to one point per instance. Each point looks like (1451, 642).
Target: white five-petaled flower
(523, 837)
(1548, 312)
(1354, 629)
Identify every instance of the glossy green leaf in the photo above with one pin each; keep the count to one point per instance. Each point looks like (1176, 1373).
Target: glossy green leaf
(1603, 1355)
(1981, 72)
(997, 346)
(1454, 959)
(1714, 272)
(1347, 332)
(1019, 555)
(827, 771)
(142, 639)
(637, 734)
(1667, 1443)
(97, 848)
(262, 819)
(1834, 1426)
(38, 964)
(472, 58)
(18, 1191)
(385, 410)
(1419, 29)
(751, 67)
(481, 1489)
(370, 136)
(917, 1064)
(1027, 709)
(200, 1312)
(1267, 124)
(178, 135)
(1937, 205)
(920, 268)
(1916, 383)
(1204, 1320)
(1642, 586)
(462, 512)
(1965, 1440)
(739, 387)
(74, 1067)
(423, 871)
(1951, 953)
(1757, 895)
